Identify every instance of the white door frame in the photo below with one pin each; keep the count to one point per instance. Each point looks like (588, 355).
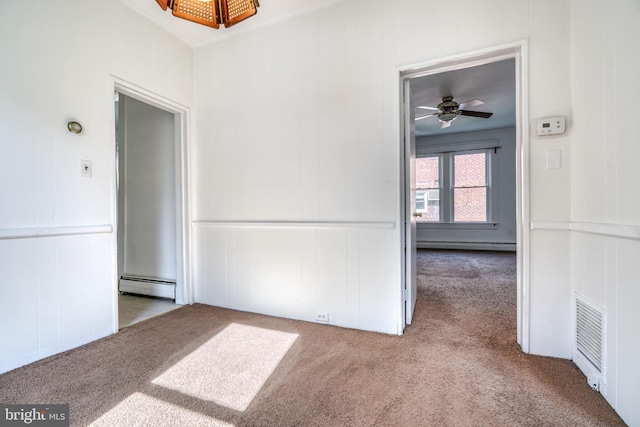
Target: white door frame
(409, 204)
(518, 51)
(184, 287)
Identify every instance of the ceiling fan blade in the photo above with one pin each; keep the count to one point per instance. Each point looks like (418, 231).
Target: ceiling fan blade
(424, 107)
(475, 114)
(424, 117)
(471, 103)
(445, 124)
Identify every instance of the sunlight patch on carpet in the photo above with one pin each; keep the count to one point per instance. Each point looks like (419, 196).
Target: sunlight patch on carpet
(142, 410)
(230, 368)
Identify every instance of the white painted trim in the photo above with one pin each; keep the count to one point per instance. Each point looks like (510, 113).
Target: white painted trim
(622, 231)
(184, 285)
(608, 229)
(470, 246)
(523, 193)
(53, 231)
(400, 88)
(550, 225)
(462, 61)
(518, 50)
(184, 282)
(384, 225)
(148, 97)
(409, 230)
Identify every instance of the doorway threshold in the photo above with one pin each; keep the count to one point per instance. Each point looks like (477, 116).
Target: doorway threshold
(136, 308)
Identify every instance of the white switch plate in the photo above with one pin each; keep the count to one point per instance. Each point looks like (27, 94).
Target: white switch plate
(86, 169)
(554, 159)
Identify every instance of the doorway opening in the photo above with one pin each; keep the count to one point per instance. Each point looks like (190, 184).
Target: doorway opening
(150, 199)
(453, 208)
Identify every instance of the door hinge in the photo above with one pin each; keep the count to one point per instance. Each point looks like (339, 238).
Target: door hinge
(405, 294)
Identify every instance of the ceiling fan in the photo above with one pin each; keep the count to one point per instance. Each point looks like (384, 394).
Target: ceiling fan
(448, 110)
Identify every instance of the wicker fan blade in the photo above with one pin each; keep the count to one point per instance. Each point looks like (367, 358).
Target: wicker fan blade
(475, 114)
(424, 107)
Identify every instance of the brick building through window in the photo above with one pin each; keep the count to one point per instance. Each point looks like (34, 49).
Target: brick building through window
(452, 187)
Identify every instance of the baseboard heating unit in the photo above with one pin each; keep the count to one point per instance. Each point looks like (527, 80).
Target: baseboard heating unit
(164, 288)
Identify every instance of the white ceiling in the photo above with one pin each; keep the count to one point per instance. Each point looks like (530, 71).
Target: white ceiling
(195, 34)
(492, 83)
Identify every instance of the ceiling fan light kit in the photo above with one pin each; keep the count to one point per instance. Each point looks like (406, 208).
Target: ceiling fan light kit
(212, 13)
(447, 117)
(448, 110)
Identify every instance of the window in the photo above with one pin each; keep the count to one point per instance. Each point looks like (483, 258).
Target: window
(470, 187)
(454, 187)
(428, 188)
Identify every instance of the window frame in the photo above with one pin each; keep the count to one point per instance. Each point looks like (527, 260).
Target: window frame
(426, 191)
(446, 153)
(487, 184)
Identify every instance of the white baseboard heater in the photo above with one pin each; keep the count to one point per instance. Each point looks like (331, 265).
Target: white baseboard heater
(164, 288)
(470, 246)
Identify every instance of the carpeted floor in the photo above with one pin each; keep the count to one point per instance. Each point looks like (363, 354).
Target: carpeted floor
(457, 365)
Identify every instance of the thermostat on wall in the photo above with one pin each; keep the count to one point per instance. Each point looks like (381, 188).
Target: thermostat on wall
(551, 126)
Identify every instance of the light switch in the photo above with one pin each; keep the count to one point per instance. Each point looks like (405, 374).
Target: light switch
(554, 159)
(85, 168)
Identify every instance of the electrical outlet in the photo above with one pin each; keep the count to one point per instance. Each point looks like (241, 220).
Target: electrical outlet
(594, 382)
(85, 168)
(322, 317)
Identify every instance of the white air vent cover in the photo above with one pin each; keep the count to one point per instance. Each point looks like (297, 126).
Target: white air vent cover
(589, 331)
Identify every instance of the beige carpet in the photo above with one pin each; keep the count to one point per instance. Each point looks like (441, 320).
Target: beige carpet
(457, 365)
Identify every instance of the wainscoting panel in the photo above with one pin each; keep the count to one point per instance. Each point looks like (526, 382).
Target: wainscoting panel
(342, 272)
(58, 293)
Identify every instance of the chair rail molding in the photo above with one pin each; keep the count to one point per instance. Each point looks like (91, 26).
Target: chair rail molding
(623, 231)
(388, 225)
(53, 231)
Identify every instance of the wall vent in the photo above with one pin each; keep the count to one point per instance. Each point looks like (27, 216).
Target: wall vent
(589, 332)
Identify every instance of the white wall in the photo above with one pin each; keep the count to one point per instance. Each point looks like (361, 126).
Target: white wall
(58, 61)
(297, 121)
(503, 235)
(147, 180)
(605, 243)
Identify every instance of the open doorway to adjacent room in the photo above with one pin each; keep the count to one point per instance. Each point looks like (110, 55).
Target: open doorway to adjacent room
(464, 182)
(150, 263)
